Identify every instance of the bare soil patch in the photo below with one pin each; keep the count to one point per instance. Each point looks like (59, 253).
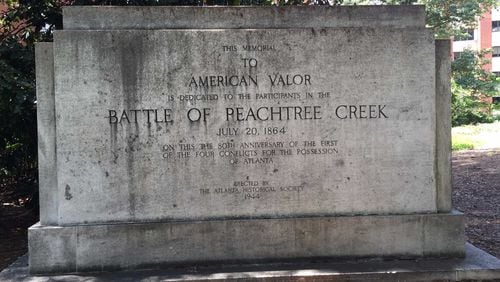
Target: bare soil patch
(476, 193)
(14, 223)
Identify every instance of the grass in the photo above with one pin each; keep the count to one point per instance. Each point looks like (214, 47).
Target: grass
(480, 136)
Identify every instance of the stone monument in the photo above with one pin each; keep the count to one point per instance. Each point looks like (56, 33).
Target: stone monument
(178, 135)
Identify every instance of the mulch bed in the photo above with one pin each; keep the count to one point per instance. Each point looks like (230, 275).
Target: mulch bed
(14, 223)
(476, 193)
(476, 184)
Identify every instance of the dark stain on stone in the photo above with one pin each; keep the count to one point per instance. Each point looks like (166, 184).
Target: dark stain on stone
(132, 203)
(132, 70)
(339, 163)
(275, 170)
(113, 138)
(67, 194)
(348, 178)
(115, 157)
(107, 174)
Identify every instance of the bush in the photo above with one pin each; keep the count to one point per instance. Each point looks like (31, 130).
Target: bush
(466, 109)
(462, 146)
(470, 85)
(18, 134)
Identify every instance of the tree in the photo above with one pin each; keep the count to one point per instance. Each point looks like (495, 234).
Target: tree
(446, 17)
(30, 21)
(452, 18)
(471, 84)
(18, 116)
(469, 72)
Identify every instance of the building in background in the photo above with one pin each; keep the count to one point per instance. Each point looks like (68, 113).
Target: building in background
(485, 36)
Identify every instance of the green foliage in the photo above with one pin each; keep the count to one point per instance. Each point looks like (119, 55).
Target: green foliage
(446, 17)
(31, 20)
(467, 108)
(470, 85)
(18, 115)
(304, 2)
(380, 2)
(452, 17)
(23, 23)
(455, 146)
(469, 72)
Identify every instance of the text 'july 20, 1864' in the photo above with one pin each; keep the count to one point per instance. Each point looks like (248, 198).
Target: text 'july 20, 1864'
(250, 119)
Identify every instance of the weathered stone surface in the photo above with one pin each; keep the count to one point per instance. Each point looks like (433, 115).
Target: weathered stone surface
(437, 232)
(127, 246)
(53, 249)
(355, 134)
(443, 125)
(477, 265)
(46, 126)
(242, 134)
(102, 17)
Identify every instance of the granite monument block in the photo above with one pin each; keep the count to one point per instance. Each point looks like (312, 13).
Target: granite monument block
(177, 135)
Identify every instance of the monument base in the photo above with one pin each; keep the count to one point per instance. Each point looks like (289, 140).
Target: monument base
(476, 265)
(127, 246)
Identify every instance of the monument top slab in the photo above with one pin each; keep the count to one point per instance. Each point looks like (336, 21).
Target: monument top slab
(170, 17)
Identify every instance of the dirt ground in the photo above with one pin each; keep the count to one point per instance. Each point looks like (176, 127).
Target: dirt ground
(476, 182)
(14, 222)
(476, 193)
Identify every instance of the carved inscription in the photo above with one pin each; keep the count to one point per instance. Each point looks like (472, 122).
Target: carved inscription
(249, 119)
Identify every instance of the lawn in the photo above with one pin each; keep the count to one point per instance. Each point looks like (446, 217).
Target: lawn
(476, 137)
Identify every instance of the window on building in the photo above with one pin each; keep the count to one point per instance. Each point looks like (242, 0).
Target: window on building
(495, 26)
(468, 35)
(496, 51)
